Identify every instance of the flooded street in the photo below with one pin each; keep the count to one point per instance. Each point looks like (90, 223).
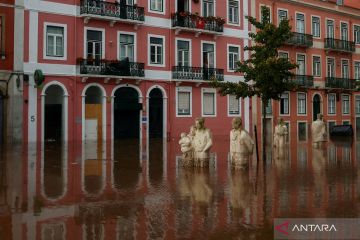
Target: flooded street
(133, 190)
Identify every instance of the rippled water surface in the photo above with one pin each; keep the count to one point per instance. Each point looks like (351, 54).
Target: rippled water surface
(133, 190)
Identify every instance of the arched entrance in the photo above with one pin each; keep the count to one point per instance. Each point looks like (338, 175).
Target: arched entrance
(316, 106)
(93, 114)
(2, 120)
(126, 113)
(54, 121)
(156, 113)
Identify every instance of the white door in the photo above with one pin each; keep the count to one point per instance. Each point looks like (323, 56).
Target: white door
(91, 130)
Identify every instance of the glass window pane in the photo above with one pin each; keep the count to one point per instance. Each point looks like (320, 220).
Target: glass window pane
(184, 103)
(209, 104)
(234, 105)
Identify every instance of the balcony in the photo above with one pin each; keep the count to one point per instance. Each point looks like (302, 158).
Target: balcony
(197, 74)
(300, 40)
(189, 22)
(306, 81)
(113, 12)
(339, 45)
(344, 83)
(111, 69)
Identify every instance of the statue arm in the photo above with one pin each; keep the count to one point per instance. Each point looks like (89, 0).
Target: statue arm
(208, 142)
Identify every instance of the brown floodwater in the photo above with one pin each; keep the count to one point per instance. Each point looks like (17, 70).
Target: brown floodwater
(132, 190)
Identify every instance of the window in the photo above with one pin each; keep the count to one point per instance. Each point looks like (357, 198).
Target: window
(301, 103)
(357, 34)
(330, 67)
(233, 57)
(54, 41)
(300, 23)
(284, 103)
(316, 66)
(183, 101)
(330, 28)
(183, 51)
(301, 64)
(94, 45)
(262, 9)
(282, 15)
(357, 70)
(156, 51)
(331, 104)
(357, 104)
(208, 8)
(156, 5)
(283, 55)
(345, 69)
(344, 31)
(316, 26)
(302, 131)
(234, 105)
(208, 55)
(268, 108)
(340, 2)
(208, 102)
(2, 38)
(233, 14)
(345, 104)
(127, 47)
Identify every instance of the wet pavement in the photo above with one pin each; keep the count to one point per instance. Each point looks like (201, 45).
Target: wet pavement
(133, 190)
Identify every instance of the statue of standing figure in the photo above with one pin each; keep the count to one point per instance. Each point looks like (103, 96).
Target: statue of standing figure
(241, 145)
(280, 134)
(196, 145)
(318, 131)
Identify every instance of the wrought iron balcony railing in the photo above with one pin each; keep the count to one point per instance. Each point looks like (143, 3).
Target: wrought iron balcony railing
(300, 39)
(109, 9)
(115, 68)
(195, 22)
(339, 45)
(304, 80)
(345, 83)
(197, 73)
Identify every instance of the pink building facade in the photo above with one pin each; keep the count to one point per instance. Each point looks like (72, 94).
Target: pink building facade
(117, 70)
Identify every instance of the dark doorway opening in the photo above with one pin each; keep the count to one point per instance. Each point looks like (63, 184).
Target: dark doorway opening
(316, 106)
(182, 5)
(156, 114)
(126, 113)
(2, 120)
(53, 114)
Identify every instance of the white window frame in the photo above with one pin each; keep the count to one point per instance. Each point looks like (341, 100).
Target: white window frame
(356, 63)
(296, 13)
(326, 27)
(356, 112)
(183, 89)
(228, 105)
(312, 66)
(102, 30)
(260, 14)
(297, 104)
(297, 57)
(135, 43)
(312, 30)
(227, 14)
(354, 38)
(328, 104)
(64, 26)
(202, 9)
(163, 48)
(342, 104)
(348, 64)
(327, 69)
(277, 12)
(228, 56)
(306, 131)
(208, 90)
(202, 48)
(287, 53)
(348, 30)
(176, 5)
(190, 49)
(285, 114)
(163, 12)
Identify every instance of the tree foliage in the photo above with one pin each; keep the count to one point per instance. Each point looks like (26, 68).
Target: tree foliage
(266, 74)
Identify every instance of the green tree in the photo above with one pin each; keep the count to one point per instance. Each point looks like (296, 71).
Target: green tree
(266, 74)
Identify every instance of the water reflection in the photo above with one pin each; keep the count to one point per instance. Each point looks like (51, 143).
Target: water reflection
(126, 191)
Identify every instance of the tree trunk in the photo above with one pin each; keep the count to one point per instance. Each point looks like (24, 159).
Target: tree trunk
(264, 104)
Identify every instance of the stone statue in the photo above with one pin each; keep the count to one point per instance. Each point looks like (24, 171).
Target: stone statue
(241, 144)
(201, 143)
(185, 143)
(318, 131)
(280, 134)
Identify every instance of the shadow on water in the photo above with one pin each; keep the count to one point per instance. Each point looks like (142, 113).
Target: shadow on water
(128, 191)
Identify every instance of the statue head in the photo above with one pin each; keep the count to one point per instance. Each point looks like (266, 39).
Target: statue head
(200, 123)
(182, 135)
(192, 130)
(236, 123)
(319, 116)
(281, 121)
